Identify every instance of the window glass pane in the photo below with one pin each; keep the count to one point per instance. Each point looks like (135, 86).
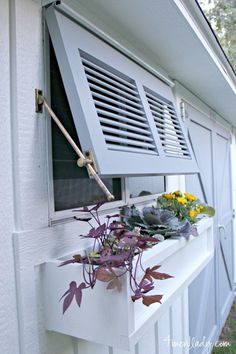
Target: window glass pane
(72, 186)
(72, 193)
(141, 186)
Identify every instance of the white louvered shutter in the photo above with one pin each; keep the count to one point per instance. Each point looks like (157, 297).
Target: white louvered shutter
(168, 126)
(122, 113)
(119, 109)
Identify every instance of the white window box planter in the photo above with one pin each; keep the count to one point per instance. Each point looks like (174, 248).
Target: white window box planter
(111, 318)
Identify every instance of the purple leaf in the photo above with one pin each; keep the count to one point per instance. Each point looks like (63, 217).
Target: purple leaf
(113, 216)
(148, 300)
(67, 262)
(151, 273)
(194, 231)
(98, 232)
(104, 274)
(106, 251)
(76, 259)
(115, 283)
(83, 219)
(78, 293)
(147, 239)
(116, 225)
(127, 241)
(137, 295)
(146, 285)
(97, 206)
(117, 258)
(69, 295)
(187, 229)
(129, 234)
(72, 286)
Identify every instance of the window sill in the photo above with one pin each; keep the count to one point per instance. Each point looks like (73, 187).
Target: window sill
(98, 320)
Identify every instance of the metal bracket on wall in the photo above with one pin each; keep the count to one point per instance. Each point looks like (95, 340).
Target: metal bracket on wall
(183, 112)
(86, 160)
(38, 101)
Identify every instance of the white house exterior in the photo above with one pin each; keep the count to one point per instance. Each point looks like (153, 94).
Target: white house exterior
(171, 44)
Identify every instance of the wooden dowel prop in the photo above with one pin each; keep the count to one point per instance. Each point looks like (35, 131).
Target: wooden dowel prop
(83, 161)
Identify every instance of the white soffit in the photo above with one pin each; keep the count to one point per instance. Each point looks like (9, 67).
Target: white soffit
(164, 31)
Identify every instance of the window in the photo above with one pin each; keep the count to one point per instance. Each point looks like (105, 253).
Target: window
(122, 113)
(71, 185)
(145, 186)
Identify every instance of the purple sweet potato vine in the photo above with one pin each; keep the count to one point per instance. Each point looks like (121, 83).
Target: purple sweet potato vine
(116, 251)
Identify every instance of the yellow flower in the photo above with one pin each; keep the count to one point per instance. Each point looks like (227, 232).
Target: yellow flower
(198, 209)
(178, 193)
(182, 200)
(191, 213)
(190, 196)
(168, 196)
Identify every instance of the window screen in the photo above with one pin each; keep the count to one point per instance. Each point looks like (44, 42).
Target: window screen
(72, 186)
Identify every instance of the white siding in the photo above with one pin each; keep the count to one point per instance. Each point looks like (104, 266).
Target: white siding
(26, 222)
(8, 318)
(233, 166)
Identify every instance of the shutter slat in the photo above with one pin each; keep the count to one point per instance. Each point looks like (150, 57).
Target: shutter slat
(116, 102)
(168, 126)
(127, 120)
(163, 116)
(170, 132)
(163, 111)
(161, 105)
(118, 132)
(171, 138)
(173, 152)
(119, 94)
(113, 91)
(91, 74)
(98, 69)
(99, 104)
(175, 146)
(130, 149)
(129, 142)
(160, 99)
(125, 126)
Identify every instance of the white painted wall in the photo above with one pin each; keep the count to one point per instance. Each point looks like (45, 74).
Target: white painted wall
(24, 198)
(233, 166)
(24, 212)
(8, 318)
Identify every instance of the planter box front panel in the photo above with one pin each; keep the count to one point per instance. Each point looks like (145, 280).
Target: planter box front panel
(111, 318)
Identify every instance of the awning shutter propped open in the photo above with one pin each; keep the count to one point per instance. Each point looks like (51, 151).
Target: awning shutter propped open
(123, 114)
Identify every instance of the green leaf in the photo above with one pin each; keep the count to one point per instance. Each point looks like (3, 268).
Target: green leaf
(94, 255)
(152, 219)
(207, 210)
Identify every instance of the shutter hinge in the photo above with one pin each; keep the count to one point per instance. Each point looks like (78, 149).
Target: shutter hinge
(233, 213)
(183, 112)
